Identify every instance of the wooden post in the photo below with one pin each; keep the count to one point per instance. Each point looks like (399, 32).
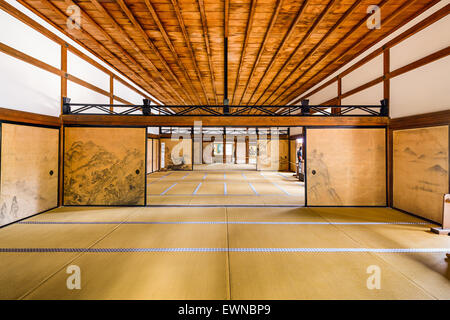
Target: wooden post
(111, 91)
(224, 140)
(339, 97)
(247, 149)
(61, 128)
(386, 70)
(64, 73)
(235, 149)
(390, 145)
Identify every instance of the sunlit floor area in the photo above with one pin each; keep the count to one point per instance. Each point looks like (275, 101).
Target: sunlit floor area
(224, 188)
(224, 253)
(225, 166)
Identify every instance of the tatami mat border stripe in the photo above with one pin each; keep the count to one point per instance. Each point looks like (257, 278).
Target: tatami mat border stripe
(161, 178)
(167, 190)
(221, 194)
(253, 188)
(225, 222)
(276, 185)
(223, 206)
(196, 189)
(305, 250)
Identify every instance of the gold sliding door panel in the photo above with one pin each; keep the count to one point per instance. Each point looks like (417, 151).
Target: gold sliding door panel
(273, 155)
(104, 166)
(29, 171)
(177, 154)
(346, 167)
(420, 170)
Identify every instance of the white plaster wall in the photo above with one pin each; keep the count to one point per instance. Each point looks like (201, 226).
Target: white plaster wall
(28, 88)
(423, 90)
(324, 95)
(87, 72)
(367, 72)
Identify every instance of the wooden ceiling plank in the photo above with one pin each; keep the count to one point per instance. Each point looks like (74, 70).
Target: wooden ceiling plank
(201, 7)
(226, 18)
(170, 45)
(189, 46)
(322, 40)
(307, 35)
(62, 15)
(248, 29)
(135, 47)
(262, 47)
(280, 47)
(394, 15)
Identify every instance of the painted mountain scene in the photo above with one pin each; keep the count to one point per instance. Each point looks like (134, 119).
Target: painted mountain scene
(421, 170)
(104, 166)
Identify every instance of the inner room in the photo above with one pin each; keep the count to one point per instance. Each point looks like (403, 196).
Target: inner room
(225, 150)
(228, 165)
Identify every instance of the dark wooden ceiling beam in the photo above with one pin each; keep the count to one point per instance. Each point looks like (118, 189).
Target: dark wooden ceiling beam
(189, 46)
(262, 47)
(281, 46)
(84, 33)
(248, 29)
(201, 7)
(139, 52)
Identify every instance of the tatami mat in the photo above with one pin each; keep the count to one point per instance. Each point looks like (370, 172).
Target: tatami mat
(250, 188)
(223, 253)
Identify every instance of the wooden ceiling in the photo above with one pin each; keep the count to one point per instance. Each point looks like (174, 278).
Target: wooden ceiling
(277, 49)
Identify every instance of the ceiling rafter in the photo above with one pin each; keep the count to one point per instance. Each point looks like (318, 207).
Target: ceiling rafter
(201, 7)
(248, 29)
(167, 40)
(386, 20)
(138, 51)
(189, 45)
(311, 52)
(62, 15)
(263, 45)
(307, 35)
(281, 46)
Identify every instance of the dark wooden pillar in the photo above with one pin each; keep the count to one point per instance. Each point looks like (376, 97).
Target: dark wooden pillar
(235, 149)
(247, 149)
(224, 146)
(337, 111)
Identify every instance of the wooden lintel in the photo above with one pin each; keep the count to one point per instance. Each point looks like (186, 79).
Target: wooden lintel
(28, 117)
(229, 121)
